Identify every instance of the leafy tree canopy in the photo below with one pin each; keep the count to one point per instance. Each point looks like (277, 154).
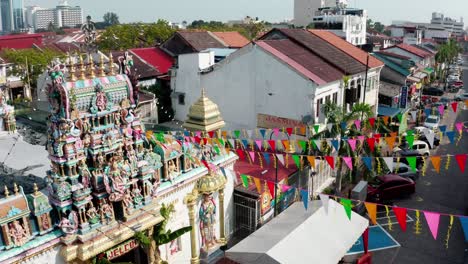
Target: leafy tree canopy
(249, 30)
(111, 18)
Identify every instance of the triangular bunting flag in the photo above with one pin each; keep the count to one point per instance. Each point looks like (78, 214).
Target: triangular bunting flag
(365, 240)
(302, 129)
(285, 188)
(271, 187)
(305, 198)
(400, 117)
(352, 144)
(430, 135)
(316, 128)
(245, 142)
(433, 222)
(267, 158)
(371, 143)
(276, 132)
(280, 158)
(347, 206)
(349, 162)
(436, 162)
(324, 199)
(459, 127)
(414, 115)
(389, 162)
(211, 134)
(302, 144)
(330, 161)
(410, 140)
(311, 160)
(289, 130)
(443, 128)
(232, 143)
(216, 148)
(272, 144)
(441, 109)
(258, 185)
(259, 144)
(372, 121)
(252, 156)
(451, 136)
(358, 124)
(461, 160)
(237, 133)
(372, 212)
(361, 138)
(454, 106)
(285, 144)
(412, 162)
(245, 181)
(336, 144)
(262, 132)
(221, 141)
(343, 125)
(198, 133)
(464, 224)
(240, 153)
(318, 143)
(400, 214)
(385, 119)
(427, 112)
(368, 162)
(296, 159)
(377, 137)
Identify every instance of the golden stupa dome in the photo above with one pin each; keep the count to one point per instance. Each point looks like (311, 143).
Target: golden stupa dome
(210, 183)
(204, 115)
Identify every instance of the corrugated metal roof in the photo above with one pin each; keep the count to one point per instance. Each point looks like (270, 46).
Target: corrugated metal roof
(392, 65)
(302, 60)
(200, 40)
(416, 51)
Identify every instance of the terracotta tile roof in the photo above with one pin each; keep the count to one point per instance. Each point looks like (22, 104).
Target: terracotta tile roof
(232, 39)
(391, 54)
(157, 58)
(325, 50)
(347, 47)
(200, 40)
(416, 51)
(143, 69)
(302, 60)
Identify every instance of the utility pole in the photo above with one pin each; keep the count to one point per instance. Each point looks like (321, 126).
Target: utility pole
(365, 85)
(27, 76)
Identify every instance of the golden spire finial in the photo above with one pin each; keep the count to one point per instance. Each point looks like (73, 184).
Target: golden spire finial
(102, 73)
(72, 68)
(36, 189)
(82, 69)
(203, 92)
(91, 72)
(15, 188)
(111, 64)
(7, 193)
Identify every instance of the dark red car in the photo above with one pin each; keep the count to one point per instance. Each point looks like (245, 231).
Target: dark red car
(390, 187)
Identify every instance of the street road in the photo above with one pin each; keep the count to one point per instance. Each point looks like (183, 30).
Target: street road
(446, 192)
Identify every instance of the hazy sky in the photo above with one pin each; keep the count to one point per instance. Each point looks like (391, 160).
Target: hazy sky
(270, 10)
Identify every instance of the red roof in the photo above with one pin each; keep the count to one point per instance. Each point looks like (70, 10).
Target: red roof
(302, 60)
(267, 173)
(156, 58)
(233, 39)
(416, 51)
(21, 41)
(347, 48)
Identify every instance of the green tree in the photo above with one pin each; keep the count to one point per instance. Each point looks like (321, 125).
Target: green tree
(111, 18)
(160, 235)
(30, 63)
(126, 36)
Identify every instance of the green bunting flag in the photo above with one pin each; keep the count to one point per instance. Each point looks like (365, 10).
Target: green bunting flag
(347, 206)
(216, 148)
(410, 139)
(160, 137)
(302, 144)
(316, 128)
(412, 162)
(221, 141)
(237, 133)
(245, 180)
(400, 117)
(297, 161)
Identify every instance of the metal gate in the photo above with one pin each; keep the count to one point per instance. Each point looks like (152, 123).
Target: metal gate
(247, 212)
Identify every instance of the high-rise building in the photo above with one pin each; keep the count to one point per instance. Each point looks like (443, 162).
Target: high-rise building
(29, 15)
(63, 15)
(12, 17)
(452, 25)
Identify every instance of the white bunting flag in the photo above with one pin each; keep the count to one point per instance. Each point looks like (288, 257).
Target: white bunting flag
(324, 198)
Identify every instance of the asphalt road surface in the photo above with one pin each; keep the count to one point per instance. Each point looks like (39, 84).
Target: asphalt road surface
(445, 192)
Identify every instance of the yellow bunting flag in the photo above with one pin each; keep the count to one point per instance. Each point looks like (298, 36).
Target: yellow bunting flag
(390, 141)
(436, 162)
(372, 212)
(311, 160)
(258, 185)
(417, 223)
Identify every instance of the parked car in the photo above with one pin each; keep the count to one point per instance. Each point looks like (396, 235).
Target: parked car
(432, 122)
(404, 171)
(420, 132)
(433, 91)
(456, 84)
(419, 148)
(461, 97)
(389, 187)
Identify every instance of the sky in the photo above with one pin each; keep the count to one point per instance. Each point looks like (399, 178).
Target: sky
(270, 10)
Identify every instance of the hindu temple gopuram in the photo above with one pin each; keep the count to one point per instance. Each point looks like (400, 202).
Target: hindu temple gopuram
(109, 178)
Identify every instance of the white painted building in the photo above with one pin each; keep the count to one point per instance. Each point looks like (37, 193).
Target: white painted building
(450, 24)
(63, 15)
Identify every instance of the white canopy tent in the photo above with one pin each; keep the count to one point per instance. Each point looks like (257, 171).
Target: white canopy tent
(299, 236)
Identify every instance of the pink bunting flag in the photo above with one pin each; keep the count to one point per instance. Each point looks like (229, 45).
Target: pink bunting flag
(349, 162)
(285, 188)
(252, 156)
(352, 144)
(259, 144)
(441, 109)
(459, 127)
(198, 133)
(361, 138)
(432, 220)
(276, 131)
(454, 106)
(358, 124)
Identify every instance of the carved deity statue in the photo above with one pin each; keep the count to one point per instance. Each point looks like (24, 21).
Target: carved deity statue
(107, 213)
(18, 233)
(69, 224)
(85, 174)
(172, 170)
(207, 216)
(92, 215)
(89, 30)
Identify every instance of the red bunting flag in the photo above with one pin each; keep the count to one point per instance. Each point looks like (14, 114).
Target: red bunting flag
(289, 130)
(240, 153)
(400, 214)
(365, 240)
(371, 143)
(461, 160)
(206, 165)
(377, 137)
(211, 134)
(272, 144)
(454, 106)
(331, 161)
(271, 187)
(372, 121)
(198, 140)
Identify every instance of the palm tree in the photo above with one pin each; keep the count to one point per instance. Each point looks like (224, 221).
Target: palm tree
(160, 236)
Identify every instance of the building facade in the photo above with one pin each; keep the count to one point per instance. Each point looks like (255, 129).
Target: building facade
(457, 27)
(62, 15)
(11, 15)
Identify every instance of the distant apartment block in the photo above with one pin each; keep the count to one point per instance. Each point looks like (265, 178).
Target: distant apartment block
(451, 25)
(63, 15)
(11, 16)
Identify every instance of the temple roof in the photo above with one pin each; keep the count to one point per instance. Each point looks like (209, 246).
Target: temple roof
(204, 115)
